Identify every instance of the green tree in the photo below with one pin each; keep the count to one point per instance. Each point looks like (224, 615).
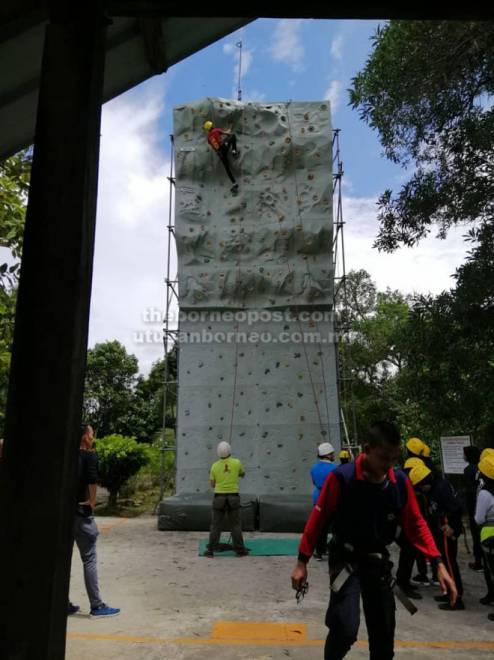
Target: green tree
(144, 416)
(111, 377)
(119, 459)
(154, 386)
(450, 351)
(14, 187)
(371, 353)
(425, 89)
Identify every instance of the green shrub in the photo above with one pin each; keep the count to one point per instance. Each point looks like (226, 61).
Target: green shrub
(119, 458)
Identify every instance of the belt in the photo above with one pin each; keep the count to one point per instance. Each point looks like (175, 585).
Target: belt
(347, 570)
(224, 494)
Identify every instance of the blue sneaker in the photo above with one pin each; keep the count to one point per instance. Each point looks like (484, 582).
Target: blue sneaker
(72, 609)
(104, 611)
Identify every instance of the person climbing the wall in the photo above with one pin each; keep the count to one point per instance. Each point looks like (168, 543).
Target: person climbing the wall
(221, 141)
(365, 502)
(224, 476)
(319, 472)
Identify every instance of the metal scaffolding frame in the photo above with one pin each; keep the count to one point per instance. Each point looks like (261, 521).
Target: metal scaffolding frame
(342, 330)
(170, 334)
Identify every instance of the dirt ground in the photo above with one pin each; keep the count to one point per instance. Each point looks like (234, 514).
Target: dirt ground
(177, 605)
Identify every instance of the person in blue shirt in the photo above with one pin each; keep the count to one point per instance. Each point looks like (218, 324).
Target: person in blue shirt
(319, 472)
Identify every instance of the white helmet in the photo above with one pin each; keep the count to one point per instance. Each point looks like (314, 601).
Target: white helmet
(224, 450)
(325, 449)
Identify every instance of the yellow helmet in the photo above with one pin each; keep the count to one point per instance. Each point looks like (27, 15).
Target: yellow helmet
(413, 462)
(486, 452)
(344, 453)
(486, 466)
(419, 473)
(415, 446)
(208, 125)
(426, 451)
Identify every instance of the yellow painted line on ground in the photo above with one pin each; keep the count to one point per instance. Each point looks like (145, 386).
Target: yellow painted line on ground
(274, 642)
(259, 630)
(450, 645)
(106, 527)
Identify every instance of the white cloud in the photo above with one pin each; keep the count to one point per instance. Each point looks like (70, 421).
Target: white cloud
(247, 58)
(337, 47)
(426, 268)
(333, 94)
(287, 45)
(130, 259)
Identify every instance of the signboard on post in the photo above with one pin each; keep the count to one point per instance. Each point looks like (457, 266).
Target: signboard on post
(452, 453)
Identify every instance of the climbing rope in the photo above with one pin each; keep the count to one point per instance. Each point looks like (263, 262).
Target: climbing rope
(236, 323)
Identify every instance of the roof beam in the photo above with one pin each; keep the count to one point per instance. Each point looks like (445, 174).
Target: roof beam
(307, 9)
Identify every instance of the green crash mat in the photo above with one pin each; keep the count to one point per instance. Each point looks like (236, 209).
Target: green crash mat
(260, 547)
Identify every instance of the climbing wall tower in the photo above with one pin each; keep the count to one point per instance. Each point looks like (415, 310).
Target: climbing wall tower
(257, 348)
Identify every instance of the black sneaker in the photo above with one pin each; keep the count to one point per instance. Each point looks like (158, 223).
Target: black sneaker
(236, 154)
(491, 616)
(487, 600)
(478, 568)
(242, 552)
(420, 581)
(208, 553)
(443, 598)
(447, 607)
(234, 189)
(72, 609)
(317, 556)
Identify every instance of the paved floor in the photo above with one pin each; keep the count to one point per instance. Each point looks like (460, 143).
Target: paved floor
(176, 605)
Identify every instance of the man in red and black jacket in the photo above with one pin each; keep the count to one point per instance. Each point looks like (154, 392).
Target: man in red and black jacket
(221, 141)
(366, 503)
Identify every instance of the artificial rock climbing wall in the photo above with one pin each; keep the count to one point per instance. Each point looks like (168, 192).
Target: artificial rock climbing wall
(257, 353)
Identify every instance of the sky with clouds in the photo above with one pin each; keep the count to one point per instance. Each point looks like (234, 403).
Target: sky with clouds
(282, 60)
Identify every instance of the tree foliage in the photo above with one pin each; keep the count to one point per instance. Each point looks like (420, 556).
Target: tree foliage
(119, 459)
(111, 376)
(426, 362)
(14, 186)
(119, 400)
(426, 89)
